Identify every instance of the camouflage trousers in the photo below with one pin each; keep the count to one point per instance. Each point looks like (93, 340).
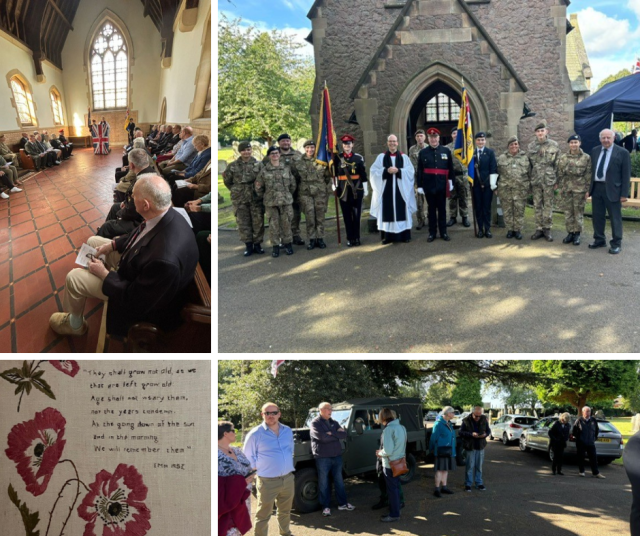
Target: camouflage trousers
(295, 219)
(458, 199)
(573, 206)
(314, 208)
(543, 205)
(250, 220)
(513, 201)
(421, 213)
(280, 224)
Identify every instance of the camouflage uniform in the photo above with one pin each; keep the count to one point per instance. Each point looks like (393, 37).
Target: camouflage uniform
(277, 185)
(421, 201)
(460, 193)
(514, 184)
(247, 206)
(313, 185)
(544, 159)
(574, 179)
(287, 159)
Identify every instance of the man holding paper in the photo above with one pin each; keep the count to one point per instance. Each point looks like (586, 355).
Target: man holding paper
(145, 272)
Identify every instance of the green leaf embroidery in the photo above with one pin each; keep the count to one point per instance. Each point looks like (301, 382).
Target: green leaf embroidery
(29, 519)
(41, 385)
(13, 375)
(26, 370)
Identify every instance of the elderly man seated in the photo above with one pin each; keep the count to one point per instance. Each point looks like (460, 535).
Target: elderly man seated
(65, 143)
(6, 153)
(183, 158)
(197, 186)
(201, 144)
(38, 152)
(168, 155)
(126, 181)
(46, 141)
(169, 141)
(59, 147)
(8, 177)
(166, 131)
(146, 271)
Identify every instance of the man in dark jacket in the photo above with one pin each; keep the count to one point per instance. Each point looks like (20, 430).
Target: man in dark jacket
(327, 450)
(485, 182)
(474, 432)
(145, 273)
(585, 430)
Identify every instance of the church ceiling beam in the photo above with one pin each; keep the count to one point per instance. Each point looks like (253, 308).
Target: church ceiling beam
(62, 16)
(33, 22)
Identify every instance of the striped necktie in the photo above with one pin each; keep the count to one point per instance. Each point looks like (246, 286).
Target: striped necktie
(134, 236)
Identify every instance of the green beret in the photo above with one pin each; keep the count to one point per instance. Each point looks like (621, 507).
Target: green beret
(244, 145)
(542, 124)
(419, 131)
(309, 142)
(511, 140)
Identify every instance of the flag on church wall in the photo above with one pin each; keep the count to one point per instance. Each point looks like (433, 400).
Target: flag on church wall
(275, 364)
(463, 149)
(326, 145)
(126, 120)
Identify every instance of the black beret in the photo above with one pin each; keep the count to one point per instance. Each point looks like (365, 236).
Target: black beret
(272, 149)
(244, 145)
(574, 137)
(284, 137)
(480, 135)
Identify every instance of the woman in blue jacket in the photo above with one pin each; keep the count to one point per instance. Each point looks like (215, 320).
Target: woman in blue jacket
(443, 446)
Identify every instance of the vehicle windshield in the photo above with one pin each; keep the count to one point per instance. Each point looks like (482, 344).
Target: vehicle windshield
(340, 415)
(528, 421)
(607, 427)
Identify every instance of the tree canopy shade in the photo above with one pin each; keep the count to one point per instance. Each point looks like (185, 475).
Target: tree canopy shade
(264, 86)
(578, 382)
(466, 392)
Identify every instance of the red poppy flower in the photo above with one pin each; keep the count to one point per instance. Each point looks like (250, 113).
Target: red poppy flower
(70, 367)
(115, 504)
(36, 447)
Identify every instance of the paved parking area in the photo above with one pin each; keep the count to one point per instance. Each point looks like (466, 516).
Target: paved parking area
(523, 498)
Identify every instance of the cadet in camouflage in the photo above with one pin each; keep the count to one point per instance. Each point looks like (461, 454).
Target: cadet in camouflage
(421, 201)
(514, 184)
(313, 186)
(574, 179)
(276, 185)
(248, 208)
(544, 154)
(460, 192)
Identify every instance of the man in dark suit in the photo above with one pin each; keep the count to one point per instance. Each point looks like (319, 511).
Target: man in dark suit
(610, 180)
(484, 183)
(630, 142)
(146, 271)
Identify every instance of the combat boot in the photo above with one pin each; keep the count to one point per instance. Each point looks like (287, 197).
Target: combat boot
(452, 222)
(320, 243)
(257, 248)
(297, 241)
(289, 248)
(249, 251)
(509, 234)
(276, 251)
(576, 239)
(547, 235)
(518, 235)
(312, 244)
(569, 238)
(465, 221)
(537, 234)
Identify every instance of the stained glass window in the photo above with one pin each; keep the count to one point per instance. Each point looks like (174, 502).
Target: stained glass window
(24, 102)
(56, 104)
(109, 69)
(442, 108)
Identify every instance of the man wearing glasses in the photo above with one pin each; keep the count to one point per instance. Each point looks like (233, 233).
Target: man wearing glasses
(269, 448)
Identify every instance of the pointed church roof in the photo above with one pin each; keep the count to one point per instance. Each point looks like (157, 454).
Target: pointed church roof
(400, 19)
(577, 60)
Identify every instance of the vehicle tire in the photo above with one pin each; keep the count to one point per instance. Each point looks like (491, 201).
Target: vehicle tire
(523, 444)
(505, 439)
(412, 465)
(605, 461)
(305, 499)
(551, 454)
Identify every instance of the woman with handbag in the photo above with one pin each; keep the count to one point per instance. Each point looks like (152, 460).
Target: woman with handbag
(394, 463)
(558, 437)
(443, 446)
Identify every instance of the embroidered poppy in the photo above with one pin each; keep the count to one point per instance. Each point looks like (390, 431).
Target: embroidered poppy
(115, 504)
(36, 447)
(69, 367)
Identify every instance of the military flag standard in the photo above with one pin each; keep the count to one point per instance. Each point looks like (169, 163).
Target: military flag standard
(463, 149)
(126, 120)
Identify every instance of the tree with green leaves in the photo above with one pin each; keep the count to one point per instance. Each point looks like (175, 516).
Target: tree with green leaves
(467, 392)
(438, 395)
(577, 382)
(613, 77)
(264, 85)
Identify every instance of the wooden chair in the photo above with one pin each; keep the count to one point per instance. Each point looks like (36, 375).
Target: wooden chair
(634, 196)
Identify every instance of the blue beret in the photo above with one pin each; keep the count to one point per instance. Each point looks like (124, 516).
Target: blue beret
(480, 135)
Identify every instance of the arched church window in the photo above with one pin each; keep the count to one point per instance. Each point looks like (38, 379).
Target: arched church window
(109, 69)
(442, 108)
(24, 102)
(56, 105)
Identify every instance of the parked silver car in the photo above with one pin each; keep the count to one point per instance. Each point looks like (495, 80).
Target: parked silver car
(609, 445)
(509, 427)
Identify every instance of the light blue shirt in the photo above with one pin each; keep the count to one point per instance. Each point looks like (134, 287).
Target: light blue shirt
(270, 454)
(606, 164)
(187, 152)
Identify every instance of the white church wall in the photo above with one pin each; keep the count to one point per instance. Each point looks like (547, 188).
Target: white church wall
(144, 67)
(16, 57)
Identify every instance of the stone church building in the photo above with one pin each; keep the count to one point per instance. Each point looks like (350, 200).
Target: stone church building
(395, 66)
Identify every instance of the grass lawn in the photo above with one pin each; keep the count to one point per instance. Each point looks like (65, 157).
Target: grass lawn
(624, 425)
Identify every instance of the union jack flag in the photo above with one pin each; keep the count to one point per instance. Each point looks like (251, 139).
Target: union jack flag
(100, 139)
(636, 67)
(275, 364)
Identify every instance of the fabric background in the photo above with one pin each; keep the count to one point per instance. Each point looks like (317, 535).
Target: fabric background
(179, 500)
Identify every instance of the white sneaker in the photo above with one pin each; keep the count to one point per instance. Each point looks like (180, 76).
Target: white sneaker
(347, 507)
(581, 474)
(16, 189)
(599, 475)
(4, 196)
(326, 512)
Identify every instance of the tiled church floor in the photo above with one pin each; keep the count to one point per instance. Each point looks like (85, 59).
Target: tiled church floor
(41, 230)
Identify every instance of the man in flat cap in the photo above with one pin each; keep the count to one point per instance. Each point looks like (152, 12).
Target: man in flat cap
(287, 156)
(544, 154)
(350, 184)
(459, 194)
(484, 183)
(574, 179)
(514, 185)
(435, 180)
(421, 201)
(276, 185)
(313, 181)
(248, 207)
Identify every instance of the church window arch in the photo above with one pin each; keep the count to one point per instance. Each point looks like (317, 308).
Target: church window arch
(23, 99)
(56, 106)
(442, 108)
(109, 66)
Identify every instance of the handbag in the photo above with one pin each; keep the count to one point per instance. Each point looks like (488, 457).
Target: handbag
(399, 466)
(444, 452)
